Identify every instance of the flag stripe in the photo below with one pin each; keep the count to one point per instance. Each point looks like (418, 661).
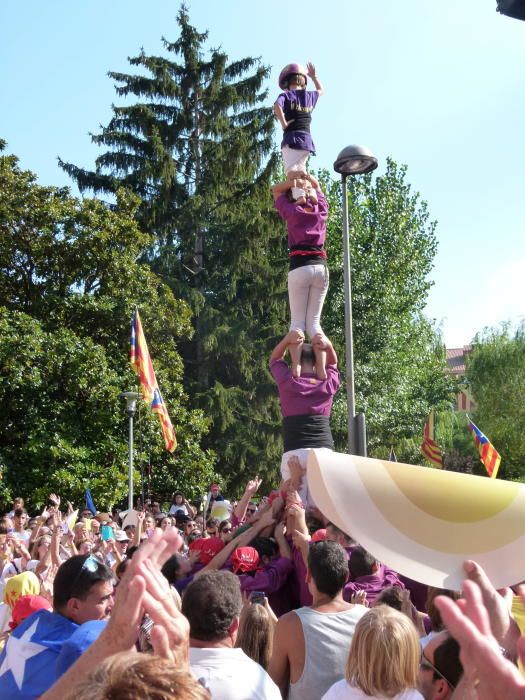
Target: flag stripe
(488, 454)
(141, 362)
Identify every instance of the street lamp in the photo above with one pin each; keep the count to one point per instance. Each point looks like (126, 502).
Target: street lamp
(131, 408)
(353, 160)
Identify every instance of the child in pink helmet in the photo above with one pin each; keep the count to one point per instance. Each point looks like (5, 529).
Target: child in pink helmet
(293, 110)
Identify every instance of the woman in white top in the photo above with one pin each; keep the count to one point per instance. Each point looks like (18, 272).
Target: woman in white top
(383, 661)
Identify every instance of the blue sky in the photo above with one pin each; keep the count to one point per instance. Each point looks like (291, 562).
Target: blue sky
(436, 84)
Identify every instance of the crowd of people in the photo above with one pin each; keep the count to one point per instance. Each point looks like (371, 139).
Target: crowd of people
(257, 599)
(269, 600)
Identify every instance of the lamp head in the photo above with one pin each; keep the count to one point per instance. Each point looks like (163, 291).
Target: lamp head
(355, 160)
(131, 401)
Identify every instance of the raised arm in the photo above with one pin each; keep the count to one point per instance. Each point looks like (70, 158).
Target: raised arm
(291, 338)
(313, 75)
(249, 491)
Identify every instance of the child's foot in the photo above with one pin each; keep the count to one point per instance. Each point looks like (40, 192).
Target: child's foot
(312, 196)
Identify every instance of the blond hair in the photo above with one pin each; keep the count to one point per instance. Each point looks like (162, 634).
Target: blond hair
(255, 636)
(128, 676)
(384, 654)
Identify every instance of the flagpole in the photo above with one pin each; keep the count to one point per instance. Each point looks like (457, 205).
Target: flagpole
(131, 407)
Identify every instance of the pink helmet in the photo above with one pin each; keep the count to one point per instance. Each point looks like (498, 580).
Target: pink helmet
(291, 69)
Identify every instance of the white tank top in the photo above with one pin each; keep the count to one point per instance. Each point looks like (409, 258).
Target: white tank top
(327, 638)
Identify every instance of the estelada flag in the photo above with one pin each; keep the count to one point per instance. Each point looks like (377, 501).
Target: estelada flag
(429, 446)
(141, 362)
(488, 454)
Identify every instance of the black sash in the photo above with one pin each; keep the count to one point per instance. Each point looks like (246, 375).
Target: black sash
(307, 431)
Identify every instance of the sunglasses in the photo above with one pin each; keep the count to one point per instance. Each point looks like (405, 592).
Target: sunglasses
(427, 665)
(226, 529)
(91, 564)
(251, 510)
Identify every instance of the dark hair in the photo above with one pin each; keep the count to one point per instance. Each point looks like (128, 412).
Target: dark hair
(433, 613)
(223, 525)
(213, 522)
(211, 603)
(391, 596)
(194, 535)
(76, 577)
(19, 511)
(446, 660)
(328, 565)
(171, 568)
(265, 546)
(307, 354)
(361, 563)
(130, 551)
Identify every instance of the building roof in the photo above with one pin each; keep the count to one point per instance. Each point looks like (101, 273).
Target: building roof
(456, 359)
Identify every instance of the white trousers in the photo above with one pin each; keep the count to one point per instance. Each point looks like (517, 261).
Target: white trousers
(302, 456)
(307, 288)
(294, 159)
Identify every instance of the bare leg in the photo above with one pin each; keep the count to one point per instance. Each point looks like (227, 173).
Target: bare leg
(295, 356)
(320, 363)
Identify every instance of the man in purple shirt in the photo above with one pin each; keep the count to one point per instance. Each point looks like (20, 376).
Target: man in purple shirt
(306, 402)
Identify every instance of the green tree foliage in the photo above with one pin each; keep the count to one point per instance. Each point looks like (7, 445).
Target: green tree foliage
(398, 355)
(195, 142)
(496, 373)
(69, 280)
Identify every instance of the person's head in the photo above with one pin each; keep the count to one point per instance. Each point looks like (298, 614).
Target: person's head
(149, 522)
(392, 596)
(18, 502)
(266, 547)
(226, 530)
(174, 568)
(167, 521)
(86, 514)
(251, 508)
(335, 534)
(212, 604)
(440, 668)
(361, 563)
(41, 547)
(384, 654)
(178, 498)
(83, 589)
(95, 526)
(215, 490)
(145, 676)
(20, 518)
(155, 508)
(327, 570)
(307, 358)
(130, 531)
(84, 546)
(189, 527)
(212, 527)
(199, 521)
(293, 77)
(433, 613)
(122, 541)
(255, 636)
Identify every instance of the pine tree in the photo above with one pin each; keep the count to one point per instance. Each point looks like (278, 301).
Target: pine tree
(198, 150)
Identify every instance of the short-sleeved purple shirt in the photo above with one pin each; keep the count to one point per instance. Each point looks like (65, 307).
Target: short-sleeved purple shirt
(298, 105)
(305, 395)
(304, 227)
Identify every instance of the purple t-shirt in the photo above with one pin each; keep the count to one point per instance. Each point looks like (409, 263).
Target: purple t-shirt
(305, 395)
(304, 227)
(298, 105)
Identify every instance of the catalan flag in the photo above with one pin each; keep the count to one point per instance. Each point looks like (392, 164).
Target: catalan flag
(429, 446)
(141, 362)
(488, 454)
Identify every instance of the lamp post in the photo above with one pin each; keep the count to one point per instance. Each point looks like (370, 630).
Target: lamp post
(353, 160)
(131, 408)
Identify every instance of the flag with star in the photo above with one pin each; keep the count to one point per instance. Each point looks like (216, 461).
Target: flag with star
(27, 662)
(141, 362)
(488, 454)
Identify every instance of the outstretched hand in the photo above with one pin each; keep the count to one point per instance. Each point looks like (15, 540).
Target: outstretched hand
(468, 620)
